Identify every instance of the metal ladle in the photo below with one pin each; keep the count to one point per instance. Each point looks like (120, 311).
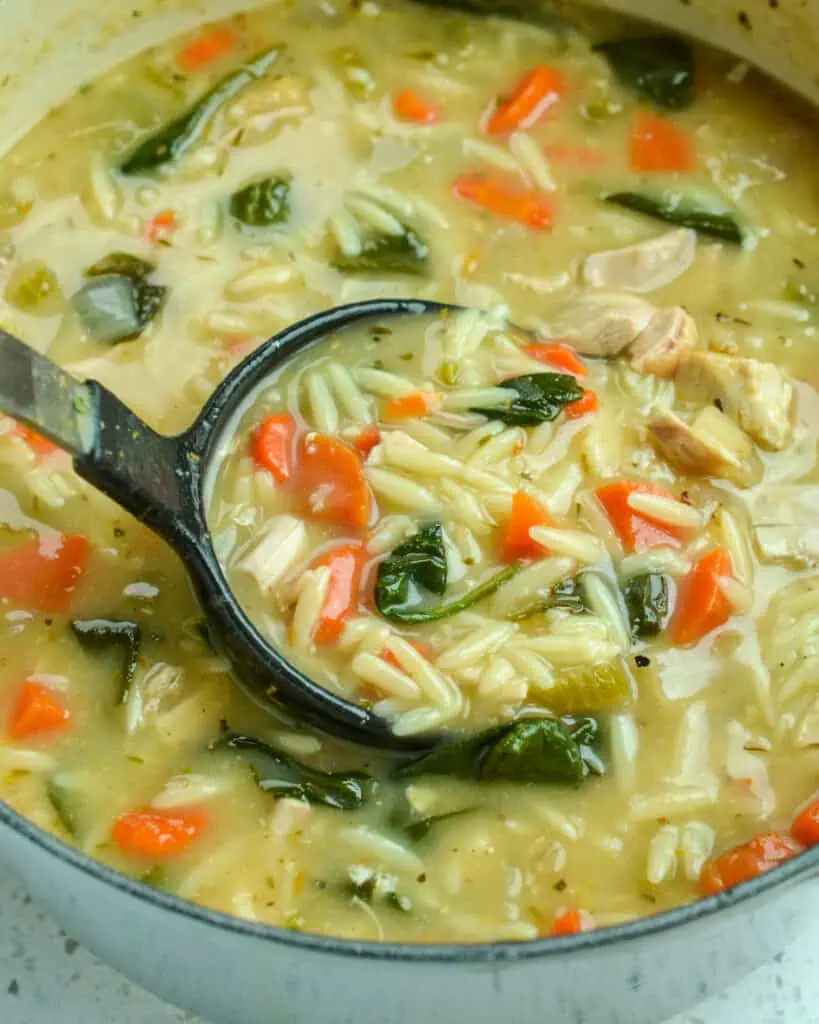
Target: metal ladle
(160, 480)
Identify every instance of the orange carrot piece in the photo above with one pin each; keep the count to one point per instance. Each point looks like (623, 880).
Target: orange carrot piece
(161, 227)
(330, 483)
(410, 407)
(805, 828)
(42, 576)
(576, 156)
(585, 406)
(37, 710)
(346, 564)
(745, 862)
(409, 105)
(423, 649)
(39, 445)
(658, 144)
(562, 357)
(701, 605)
(272, 445)
(515, 540)
(530, 99)
(572, 922)
(636, 532)
(159, 835)
(505, 198)
(213, 44)
(368, 439)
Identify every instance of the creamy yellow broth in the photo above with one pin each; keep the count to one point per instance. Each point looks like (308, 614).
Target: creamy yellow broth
(118, 742)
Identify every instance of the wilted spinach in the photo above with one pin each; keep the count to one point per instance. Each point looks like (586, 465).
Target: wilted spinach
(406, 253)
(537, 398)
(674, 209)
(661, 68)
(117, 634)
(262, 203)
(124, 263)
(646, 599)
(419, 565)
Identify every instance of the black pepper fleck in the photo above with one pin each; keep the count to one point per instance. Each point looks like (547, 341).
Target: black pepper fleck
(798, 263)
(14, 987)
(422, 877)
(560, 885)
(71, 946)
(719, 405)
(641, 661)
(744, 20)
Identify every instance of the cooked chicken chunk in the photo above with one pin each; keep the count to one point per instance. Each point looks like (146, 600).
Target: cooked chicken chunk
(604, 325)
(759, 396)
(643, 267)
(785, 524)
(670, 335)
(712, 446)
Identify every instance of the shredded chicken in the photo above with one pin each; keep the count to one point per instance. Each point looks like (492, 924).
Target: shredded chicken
(712, 446)
(670, 335)
(643, 267)
(759, 396)
(604, 325)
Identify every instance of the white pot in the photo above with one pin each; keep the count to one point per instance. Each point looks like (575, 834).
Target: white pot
(232, 972)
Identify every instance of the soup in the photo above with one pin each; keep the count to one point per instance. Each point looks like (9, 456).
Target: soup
(570, 522)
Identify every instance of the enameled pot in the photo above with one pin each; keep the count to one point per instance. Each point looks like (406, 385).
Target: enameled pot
(232, 972)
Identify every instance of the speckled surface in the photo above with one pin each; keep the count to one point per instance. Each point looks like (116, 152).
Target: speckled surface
(46, 978)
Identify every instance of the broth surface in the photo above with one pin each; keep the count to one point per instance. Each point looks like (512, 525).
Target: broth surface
(350, 152)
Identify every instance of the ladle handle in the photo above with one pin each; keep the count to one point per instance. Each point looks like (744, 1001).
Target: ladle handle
(152, 476)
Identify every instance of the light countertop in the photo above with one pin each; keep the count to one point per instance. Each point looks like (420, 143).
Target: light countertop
(45, 978)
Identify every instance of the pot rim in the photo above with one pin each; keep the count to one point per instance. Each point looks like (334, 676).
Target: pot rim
(496, 953)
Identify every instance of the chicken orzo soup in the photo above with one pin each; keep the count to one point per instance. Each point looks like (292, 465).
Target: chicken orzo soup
(573, 523)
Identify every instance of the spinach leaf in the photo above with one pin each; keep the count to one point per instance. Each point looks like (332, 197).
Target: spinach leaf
(418, 565)
(116, 307)
(530, 750)
(538, 398)
(105, 634)
(173, 140)
(568, 595)
(280, 774)
(419, 828)
(387, 254)
(262, 203)
(588, 735)
(63, 800)
(373, 886)
(661, 68)
(646, 600)
(674, 209)
(122, 263)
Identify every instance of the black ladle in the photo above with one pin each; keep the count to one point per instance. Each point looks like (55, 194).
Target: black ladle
(161, 479)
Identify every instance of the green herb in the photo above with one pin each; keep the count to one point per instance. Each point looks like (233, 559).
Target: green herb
(661, 68)
(529, 750)
(568, 595)
(539, 398)
(419, 828)
(646, 600)
(448, 372)
(419, 565)
(674, 209)
(63, 799)
(122, 263)
(157, 878)
(115, 307)
(406, 253)
(116, 634)
(375, 887)
(262, 203)
(280, 774)
(174, 139)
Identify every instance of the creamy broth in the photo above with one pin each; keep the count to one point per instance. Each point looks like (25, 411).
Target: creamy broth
(657, 638)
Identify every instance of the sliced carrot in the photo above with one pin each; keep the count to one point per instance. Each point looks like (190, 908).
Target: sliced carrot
(745, 862)
(330, 483)
(701, 607)
(213, 44)
(346, 564)
(805, 828)
(506, 198)
(159, 835)
(658, 144)
(38, 709)
(576, 156)
(272, 445)
(161, 227)
(410, 407)
(636, 532)
(409, 105)
(530, 99)
(584, 406)
(423, 649)
(515, 541)
(39, 445)
(562, 357)
(369, 438)
(42, 576)
(572, 922)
